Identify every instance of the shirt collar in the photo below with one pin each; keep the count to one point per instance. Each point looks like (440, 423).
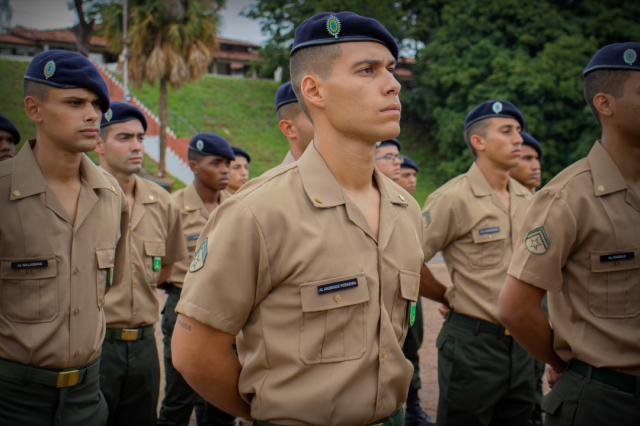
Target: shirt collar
(479, 183)
(607, 178)
(143, 194)
(192, 200)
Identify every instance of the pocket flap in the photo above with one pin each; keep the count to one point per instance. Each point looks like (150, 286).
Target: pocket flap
(106, 258)
(488, 232)
(334, 293)
(153, 248)
(409, 285)
(615, 260)
(551, 402)
(29, 269)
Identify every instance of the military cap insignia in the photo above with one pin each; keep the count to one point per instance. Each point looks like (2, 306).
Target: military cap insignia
(537, 241)
(497, 107)
(427, 218)
(333, 26)
(630, 56)
(49, 69)
(198, 258)
(108, 115)
(200, 145)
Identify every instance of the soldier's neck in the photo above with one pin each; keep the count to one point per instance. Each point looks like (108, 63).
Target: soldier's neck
(210, 197)
(58, 165)
(625, 152)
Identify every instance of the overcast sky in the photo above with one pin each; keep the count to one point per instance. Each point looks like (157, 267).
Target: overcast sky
(46, 14)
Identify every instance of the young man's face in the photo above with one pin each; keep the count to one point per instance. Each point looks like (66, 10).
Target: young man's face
(502, 145)
(408, 180)
(304, 128)
(239, 173)
(361, 95)
(124, 148)
(70, 118)
(527, 172)
(388, 162)
(7, 146)
(212, 171)
(627, 108)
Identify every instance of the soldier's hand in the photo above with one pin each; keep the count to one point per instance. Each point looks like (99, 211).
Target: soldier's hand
(245, 422)
(444, 310)
(552, 376)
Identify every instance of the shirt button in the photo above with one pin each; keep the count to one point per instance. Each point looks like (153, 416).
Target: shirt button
(338, 298)
(76, 354)
(75, 271)
(76, 312)
(135, 314)
(383, 354)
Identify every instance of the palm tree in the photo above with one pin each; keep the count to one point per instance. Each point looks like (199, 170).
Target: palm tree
(169, 40)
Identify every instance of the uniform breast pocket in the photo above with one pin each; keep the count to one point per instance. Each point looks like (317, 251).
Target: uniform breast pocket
(405, 303)
(334, 315)
(487, 250)
(154, 251)
(30, 289)
(614, 283)
(104, 274)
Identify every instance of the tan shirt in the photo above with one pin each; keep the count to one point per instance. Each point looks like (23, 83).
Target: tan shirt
(288, 159)
(194, 218)
(468, 222)
(318, 304)
(155, 239)
(582, 244)
(51, 314)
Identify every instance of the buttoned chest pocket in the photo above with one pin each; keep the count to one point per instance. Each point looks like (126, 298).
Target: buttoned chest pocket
(487, 250)
(30, 289)
(154, 251)
(614, 283)
(334, 319)
(404, 308)
(104, 275)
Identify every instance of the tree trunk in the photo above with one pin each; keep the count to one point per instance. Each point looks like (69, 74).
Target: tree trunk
(163, 127)
(83, 31)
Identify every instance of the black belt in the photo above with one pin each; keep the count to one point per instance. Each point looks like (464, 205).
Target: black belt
(396, 419)
(477, 324)
(129, 334)
(60, 378)
(175, 289)
(625, 382)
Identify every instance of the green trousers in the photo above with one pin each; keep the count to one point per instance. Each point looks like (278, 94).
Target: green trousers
(179, 398)
(484, 378)
(412, 345)
(33, 404)
(575, 400)
(130, 381)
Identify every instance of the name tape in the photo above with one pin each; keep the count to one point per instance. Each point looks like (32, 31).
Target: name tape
(617, 256)
(30, 264)
(489, 230)
(193, 237)
(342, 285)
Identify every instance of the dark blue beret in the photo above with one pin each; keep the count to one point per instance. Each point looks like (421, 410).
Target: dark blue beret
(121, 112)
(408, 163)
(285, 95)
(211, 144)
(241, 152)
(388, 142)
(493, 108)
(68, 70)
(617, 56)
(8, 126)
(529, 140)
(342, 27)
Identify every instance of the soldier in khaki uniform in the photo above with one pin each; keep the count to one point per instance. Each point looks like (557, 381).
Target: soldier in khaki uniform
(485, 377)
(63, 233)
(581, 246)
(528, 170)
(388, 158)
(129, 360)
(9, 138)
(239, 170)
(315, 267)
(209, 157)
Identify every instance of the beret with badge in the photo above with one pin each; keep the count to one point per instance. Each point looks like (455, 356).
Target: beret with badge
(408, 163)
(121, 112)
(388, 142)
(8, 126)
(239, 152)
(342, 27)
(617, 56)
(68, 70)
(491, 109)
(211, 144)
(529, 140)
(285, 95)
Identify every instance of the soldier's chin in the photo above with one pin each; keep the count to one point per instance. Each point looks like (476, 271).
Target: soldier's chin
(85, 145)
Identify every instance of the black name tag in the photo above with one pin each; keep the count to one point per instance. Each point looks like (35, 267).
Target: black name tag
(193, 237)
(30, 264)
(617, 256)
(342, 285)
(489, 230)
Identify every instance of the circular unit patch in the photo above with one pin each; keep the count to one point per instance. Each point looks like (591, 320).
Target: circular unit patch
(630, 56)
(497, 107)
(108, 115)
(199, 144)
(333, 26)
(49, 69)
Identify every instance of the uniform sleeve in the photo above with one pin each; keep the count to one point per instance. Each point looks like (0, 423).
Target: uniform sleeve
(121, 246)
(229, 274)
(544, 243)
(176, 242)
(440, 224)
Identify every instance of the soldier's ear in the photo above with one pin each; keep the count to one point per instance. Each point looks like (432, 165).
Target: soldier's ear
(604, 103)
(195, 166)
(288, 128)
(478, 143)
(32, 107)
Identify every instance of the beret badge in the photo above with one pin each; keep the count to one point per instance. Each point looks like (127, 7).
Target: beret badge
(630, 56)
(50, 69)
(108, 115)
(200, 145)
(333, 26)
(497, 107)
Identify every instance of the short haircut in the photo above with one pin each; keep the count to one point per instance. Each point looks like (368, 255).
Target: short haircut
(195, 156)
(478, 128)
(604, 81)
(289, 111)
(104, 133)
(37, 90)
(317, 59)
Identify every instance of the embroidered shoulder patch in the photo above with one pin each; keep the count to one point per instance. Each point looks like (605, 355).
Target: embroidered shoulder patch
(537, 241)
(427, 218)
(199, 257)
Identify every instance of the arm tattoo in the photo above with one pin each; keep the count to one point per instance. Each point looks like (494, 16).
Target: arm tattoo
(183, 325)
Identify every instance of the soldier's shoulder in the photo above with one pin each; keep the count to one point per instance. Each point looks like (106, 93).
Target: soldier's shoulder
(576, 175)
(157, 191)
(453, 189)
(272, 184)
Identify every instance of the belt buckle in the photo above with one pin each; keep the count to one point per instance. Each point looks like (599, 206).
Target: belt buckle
(128, 334)
(67, 378)
(506, 332)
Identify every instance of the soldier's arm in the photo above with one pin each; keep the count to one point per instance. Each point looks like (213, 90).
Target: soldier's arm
(204, 357)
(430, 287)
(165, 273)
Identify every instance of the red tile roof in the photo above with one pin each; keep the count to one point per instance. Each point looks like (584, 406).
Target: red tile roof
(237, 43)
(236, 56)
(64, 35)
(10, 38)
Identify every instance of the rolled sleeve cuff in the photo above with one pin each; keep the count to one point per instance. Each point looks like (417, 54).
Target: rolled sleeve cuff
(535, 280)
(175, 258)
(208, 318)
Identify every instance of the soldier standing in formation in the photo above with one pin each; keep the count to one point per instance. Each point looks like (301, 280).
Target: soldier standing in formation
(528, 171)
(388, 158)
(9, 138)
(239, 170)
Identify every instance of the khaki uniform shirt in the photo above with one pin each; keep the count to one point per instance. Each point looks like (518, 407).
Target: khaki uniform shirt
(468, 222)
(319, 305)
(288, 159)
(155, 239)
(55, 268)
(194, 218)
(581, 242)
